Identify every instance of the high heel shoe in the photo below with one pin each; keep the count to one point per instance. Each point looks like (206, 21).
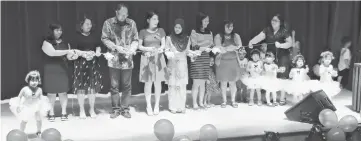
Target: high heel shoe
(82, 115)
(92, 114)
(156, 110)
(149, 111)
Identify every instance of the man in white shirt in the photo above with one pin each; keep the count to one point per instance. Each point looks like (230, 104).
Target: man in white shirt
(344, 62)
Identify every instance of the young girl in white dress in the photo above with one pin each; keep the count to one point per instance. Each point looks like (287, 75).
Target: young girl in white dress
(300, 85)
(254, 68)
(242, 62)
(269, 80)
(30, 103)
(327, 73)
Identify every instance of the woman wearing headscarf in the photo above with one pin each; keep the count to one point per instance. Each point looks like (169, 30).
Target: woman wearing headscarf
(177, 46)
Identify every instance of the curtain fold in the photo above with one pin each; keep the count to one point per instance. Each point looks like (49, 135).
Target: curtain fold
(317, 24)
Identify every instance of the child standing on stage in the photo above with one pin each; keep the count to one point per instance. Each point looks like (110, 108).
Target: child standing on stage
(212, 85)
(254, 68)
(344, 62)
(242, 62)
(327, 72)
(300, 84)
(269, 81)
(30, 103)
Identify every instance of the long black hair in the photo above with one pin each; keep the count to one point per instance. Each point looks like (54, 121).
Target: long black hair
(223, 32)
(199, 23)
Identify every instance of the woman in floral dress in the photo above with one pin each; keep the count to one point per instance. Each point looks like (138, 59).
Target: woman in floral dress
(152, 62)
(177, 45)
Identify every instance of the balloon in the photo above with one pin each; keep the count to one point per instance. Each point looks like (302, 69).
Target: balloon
(16, 135)
(208, 133)
(328, 118)
(348, 123)
(316, 69)
(164, 130)
(51, 134)
(182, 138)
(336, 134)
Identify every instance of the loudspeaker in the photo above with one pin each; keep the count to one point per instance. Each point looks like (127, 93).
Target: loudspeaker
(308, 109)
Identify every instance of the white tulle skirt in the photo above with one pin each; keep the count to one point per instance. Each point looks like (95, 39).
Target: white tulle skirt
(270, 84)
(301, 87)
(330, 88)
(29, 108)
(252, 82)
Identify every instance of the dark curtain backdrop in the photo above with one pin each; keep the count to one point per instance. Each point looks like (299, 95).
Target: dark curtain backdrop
(317, 24)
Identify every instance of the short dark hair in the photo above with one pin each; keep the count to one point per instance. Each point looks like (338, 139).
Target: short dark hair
(282, 21)
(50, 37)
(255, 51)
(120, 6)
(81, 21)
(199, 22)
(345, 39)
(148, 16)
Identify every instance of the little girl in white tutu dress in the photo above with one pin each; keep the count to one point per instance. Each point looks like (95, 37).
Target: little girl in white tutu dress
(327, 72)
(254, 68)
(269, 81)
(300, 85)
(30, 104)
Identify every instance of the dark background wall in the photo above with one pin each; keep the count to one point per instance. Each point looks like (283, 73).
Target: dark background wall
(23, 24)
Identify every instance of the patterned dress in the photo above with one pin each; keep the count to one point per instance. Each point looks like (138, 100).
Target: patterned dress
(152, 68)
(87, 77)
(200, 67)
(213, 86)
(178, 78)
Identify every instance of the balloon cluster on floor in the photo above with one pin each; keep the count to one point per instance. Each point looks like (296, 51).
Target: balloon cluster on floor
(332, 129)
(50, 134)
(164, 131)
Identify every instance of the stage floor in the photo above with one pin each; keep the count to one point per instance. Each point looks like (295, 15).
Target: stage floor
(230, 122)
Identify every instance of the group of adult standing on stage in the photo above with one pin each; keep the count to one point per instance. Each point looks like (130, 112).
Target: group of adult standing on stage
(122, 39)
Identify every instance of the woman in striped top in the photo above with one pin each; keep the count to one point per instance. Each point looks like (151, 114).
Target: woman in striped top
(202, 42)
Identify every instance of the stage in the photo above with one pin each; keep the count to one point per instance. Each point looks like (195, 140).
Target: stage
(230, 122)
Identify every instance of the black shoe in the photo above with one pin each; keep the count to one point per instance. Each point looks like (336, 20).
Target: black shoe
(64, 117)
(125, 113)
(38, 134)
(51, 118)
(114, 114)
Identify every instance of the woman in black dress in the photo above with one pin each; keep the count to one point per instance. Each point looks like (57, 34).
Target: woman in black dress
(56, 77)
(87, 78)
(277, 34)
